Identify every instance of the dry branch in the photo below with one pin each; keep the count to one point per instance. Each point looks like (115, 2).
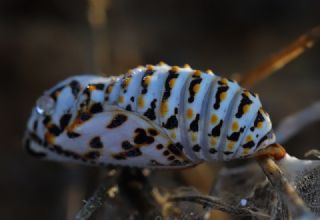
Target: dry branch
(135, 187)
(216, 203)
(286, 190)
(280, 59)
(98, 198)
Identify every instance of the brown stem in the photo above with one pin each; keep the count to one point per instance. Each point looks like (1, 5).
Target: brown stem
(275, 151)
(286, 190)
(280, 59)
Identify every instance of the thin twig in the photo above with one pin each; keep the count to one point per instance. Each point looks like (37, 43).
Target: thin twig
(75, 189)
(286, 190)
(218, 204)
(136, 188)
(280, 59)
(313, 152)
(98, 198)
(294, 123)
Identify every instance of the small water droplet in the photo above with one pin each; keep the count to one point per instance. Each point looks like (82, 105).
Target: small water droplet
(243, 202)
(45, 105)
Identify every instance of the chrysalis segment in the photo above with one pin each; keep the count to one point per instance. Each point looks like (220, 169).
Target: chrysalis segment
(43, 128)
(243, 113)
(151, 89)
(130, 86)
(112, 90)
(258, 136)
(93, 96)
(65, 95)
(118, 137)
(195, 104)
(171, 103)
(219, 106)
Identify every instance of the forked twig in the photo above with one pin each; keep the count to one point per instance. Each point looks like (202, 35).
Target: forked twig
(286, 190)
(280, 59)
(103, 192)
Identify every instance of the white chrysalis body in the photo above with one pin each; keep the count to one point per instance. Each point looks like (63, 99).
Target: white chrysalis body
(153, 116)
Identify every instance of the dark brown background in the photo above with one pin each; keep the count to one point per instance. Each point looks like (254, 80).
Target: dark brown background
(42, 42)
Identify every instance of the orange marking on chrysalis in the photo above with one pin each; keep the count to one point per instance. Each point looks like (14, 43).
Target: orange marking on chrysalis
(49, 138)
(223, 96)
(174, 69)
(161, 63)
(214, 119)
(197, 73)
(147, 80)
(121, 99)
(173, 135)
(209, 71)
(189, 113)
(248, 138)
(171, 83)
(110, 89)
(187, 66)
(194, 137)
(260, 124)
(163, 108)
(150, 67)
(140, 102)
(126, 82)
(224, 81)
(230, 145)
(196, 88)
(235, 126)
(213, 140)
(246, 108)
(91, 88)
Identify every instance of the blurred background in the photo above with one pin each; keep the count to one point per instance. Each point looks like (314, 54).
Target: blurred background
(43, 42)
